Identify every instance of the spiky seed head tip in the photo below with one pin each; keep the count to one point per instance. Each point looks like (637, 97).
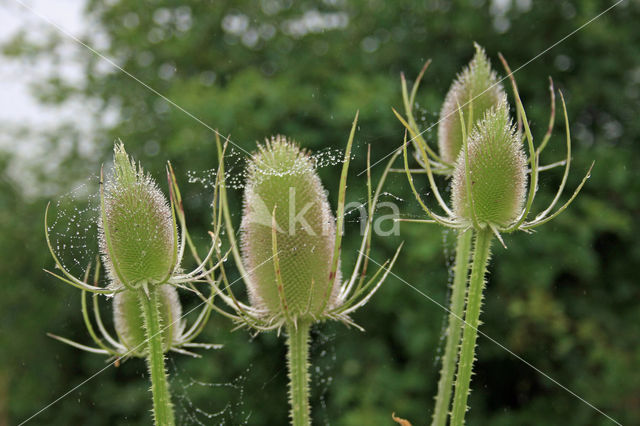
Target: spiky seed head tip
(476, 89)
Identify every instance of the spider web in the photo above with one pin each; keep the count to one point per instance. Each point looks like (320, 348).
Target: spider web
(73, 227)
(235, 168)
(229, 408)
(323, 356)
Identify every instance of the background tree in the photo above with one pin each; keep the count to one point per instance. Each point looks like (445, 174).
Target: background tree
(252, 69)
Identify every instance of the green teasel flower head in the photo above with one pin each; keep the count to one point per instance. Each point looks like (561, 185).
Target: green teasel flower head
(490, 188)
(289, 253)
(139, 246)
(475, 90)
(137, 228)
(497, 168)
(283, 187)
(138, 232)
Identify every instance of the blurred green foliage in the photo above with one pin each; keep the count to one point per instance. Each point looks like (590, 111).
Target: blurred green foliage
(565, 299)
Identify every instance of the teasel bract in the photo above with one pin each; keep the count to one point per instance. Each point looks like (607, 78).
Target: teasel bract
(142, 249)
(289, 255)
(490, 197)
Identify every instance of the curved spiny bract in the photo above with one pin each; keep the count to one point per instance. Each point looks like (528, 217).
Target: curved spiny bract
(128, 314)
(496, 168)
(129, 324)
(475, 91)
(139, 242)
(282, 181)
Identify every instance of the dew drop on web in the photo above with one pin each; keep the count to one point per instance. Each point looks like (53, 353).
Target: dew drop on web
(73, 227)
(448, 241)
(323, 353)
(201, 402)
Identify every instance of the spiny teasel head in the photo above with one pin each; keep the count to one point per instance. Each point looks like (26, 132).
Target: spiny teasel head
(137, 234)
(129, 324)
(282, 180)
(138, 242)
(492, 173)
(475, 90)
(497, 172)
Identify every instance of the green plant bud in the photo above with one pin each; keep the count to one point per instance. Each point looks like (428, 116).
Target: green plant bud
(476, 89)
(140, 246)
(129, 323)
(282, 176)
(497, 169)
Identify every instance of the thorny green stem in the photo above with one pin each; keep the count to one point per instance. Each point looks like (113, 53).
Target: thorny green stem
(454, 328)
(162, 408)
(298, 362)
(481, 255)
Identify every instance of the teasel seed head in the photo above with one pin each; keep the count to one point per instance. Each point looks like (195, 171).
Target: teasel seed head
(129, 324)
(475, 90)
(137, 242)
(497, 172)
(282, 181)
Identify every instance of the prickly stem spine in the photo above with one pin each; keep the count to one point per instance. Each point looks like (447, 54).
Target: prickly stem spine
(454, 328)
(481, 254)
(298, 362)
(162, 407)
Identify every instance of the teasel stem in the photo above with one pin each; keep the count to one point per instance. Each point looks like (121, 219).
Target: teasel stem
(479, 264)
(298, 361)
(454, 328)
(162, 408)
